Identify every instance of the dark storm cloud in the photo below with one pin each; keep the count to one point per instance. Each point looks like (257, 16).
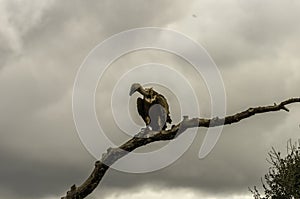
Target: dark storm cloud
(33, 178)
(48, 42)
(44, 44)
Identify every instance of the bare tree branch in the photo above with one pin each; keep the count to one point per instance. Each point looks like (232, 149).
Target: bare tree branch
(144, 138)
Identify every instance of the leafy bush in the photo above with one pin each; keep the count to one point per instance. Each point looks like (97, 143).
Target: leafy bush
(283, 179)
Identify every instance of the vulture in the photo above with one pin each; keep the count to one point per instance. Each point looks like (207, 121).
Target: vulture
(153, 107)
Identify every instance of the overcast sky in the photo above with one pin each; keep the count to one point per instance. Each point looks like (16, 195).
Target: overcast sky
(255, 45)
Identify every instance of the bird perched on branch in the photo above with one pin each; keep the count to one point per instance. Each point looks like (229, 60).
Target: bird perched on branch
(153, 107)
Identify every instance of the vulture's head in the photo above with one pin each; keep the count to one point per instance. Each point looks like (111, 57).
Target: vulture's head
(136, 87)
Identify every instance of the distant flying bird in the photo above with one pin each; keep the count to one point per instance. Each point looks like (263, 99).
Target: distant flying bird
(153, 107)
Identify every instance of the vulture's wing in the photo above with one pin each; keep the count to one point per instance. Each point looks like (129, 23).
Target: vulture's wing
(143, 110)
(163, 102)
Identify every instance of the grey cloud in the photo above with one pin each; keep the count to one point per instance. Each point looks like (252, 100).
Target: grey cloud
(253, 30)
(39, 143)
(32, 178)
(17, 18)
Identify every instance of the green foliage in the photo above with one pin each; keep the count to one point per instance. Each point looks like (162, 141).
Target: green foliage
(283, 179)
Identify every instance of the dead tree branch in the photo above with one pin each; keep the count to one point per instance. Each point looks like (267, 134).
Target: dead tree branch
(144, 138)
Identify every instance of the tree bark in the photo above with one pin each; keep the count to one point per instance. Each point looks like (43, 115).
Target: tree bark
(144, 138)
